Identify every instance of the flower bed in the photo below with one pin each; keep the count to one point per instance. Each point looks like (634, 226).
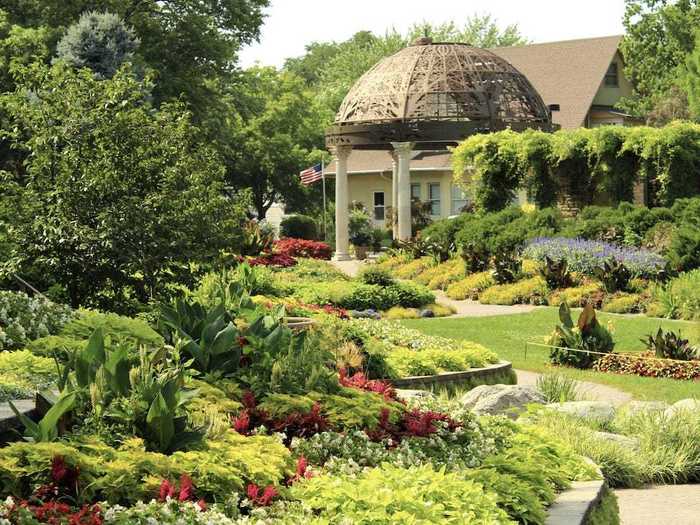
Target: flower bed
(585, 256)
(645, 364)
(302, 248)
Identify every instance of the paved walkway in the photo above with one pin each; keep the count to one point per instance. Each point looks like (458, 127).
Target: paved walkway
(468, 308)
(653, 505)
(660, 505)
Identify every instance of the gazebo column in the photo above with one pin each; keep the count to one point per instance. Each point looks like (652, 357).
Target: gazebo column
(394, 196)
(403, 153)
(342, 245)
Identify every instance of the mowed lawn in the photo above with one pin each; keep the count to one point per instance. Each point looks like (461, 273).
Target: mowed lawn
(507, 335)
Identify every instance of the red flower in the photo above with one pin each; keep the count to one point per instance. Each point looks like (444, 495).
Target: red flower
(241, 423)
(360, 381)
(186, 488)
(264, 499)
(202, 505)
(302, 248)
(249, 400)
(166, 490)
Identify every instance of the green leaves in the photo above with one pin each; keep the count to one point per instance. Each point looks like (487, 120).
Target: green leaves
(47, 428)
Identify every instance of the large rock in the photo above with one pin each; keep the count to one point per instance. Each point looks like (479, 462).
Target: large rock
(625, 441)
(643, 407)
(684, 405)
(501, 399)
(600, 411)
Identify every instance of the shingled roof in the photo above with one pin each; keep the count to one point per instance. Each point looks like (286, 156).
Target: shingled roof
(567, 73)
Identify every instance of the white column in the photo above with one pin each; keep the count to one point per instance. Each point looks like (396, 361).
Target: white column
(394, 196)
(342, 246)
(403, 152)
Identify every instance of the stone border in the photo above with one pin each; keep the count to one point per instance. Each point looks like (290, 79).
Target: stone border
(9, 422)
(574, 505)
(453, 377)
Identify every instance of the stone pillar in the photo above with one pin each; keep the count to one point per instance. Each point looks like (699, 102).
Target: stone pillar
(342, 246)
(403, 153)
(394, 196)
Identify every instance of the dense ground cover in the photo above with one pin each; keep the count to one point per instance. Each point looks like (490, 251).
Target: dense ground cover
(210, 409)
(507, 335)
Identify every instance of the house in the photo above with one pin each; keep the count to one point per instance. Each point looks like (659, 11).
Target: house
(580, 80)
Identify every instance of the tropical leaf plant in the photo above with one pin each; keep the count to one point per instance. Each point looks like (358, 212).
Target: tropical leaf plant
(587, 335)
(614, 275)
(47, 428)
(669, 345)
(555, 272)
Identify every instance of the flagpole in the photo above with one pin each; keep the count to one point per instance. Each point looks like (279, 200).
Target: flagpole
(323, 179)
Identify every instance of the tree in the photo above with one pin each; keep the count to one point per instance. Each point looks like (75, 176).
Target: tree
(659, 36)
(478, 30)
(118, 198)
(692, 78)
(191, 44)
(273, 136)
(99, 41)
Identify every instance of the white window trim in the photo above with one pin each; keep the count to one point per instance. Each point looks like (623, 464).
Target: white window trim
(374, 206)
(438, 200)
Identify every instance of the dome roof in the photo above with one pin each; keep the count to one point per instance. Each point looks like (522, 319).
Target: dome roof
(429, 83)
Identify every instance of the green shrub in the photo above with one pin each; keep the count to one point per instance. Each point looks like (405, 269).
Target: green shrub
(577, 296)
(399, 312)
(22, 374)
(411, 295)
(588, 335)
(410, 269)
(471, 286)
(527, 291)
(119, 328)
(256, 280)
(684, 252)
(405, 362)
(376, 275)
(370, 297)
(624, 303)
(391, 495)
(680, 297)
(309, 270)
(606, 512)
(330, 292)
(24, 318)
(298, 227)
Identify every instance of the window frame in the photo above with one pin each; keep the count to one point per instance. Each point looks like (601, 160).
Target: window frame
(420, 192)
(375, 206)
(612, 76)
(464, 199)
(435, 202)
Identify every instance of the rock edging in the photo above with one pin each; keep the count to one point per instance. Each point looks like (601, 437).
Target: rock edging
(485, 373)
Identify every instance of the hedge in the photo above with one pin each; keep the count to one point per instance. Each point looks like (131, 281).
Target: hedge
(594, 165)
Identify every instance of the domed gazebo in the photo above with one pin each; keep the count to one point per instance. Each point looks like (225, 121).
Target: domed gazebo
(428, 96)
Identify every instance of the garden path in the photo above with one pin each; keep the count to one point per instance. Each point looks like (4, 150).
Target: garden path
(468, 308)
(653, 505)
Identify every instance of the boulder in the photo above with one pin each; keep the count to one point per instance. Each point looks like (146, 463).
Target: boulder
(638, 407)
(427, 313)
(690, 405)
(501, 399)
(600, 411)
(625, 441)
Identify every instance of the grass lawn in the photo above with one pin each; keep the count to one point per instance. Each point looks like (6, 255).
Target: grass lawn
(507, 334)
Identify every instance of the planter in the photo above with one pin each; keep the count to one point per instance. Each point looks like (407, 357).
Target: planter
(298, 323)
(488, 375)
(361, 252)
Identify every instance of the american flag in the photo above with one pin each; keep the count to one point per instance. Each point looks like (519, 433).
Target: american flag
(311, 175)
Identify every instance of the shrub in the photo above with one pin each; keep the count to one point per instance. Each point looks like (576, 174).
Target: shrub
(376, 275)
(588, 335)
(527, 291)
(23, 374)
(411, 295)
(624, 303)
(370, 297)
(405, 362)
(413, 268)
(585, 256)
(670, 345)
(555, 273)
(24, 318)
(557, 388)
(303, 248)
(471, 286)
(360, 228)
(684, 252)
(399, 312)
(298, 227)
(452, 271)
(680, 297)
(578, 296)
(392, 494)
(118, 328)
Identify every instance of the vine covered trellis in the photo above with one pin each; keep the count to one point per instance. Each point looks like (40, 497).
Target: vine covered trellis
(574, 168)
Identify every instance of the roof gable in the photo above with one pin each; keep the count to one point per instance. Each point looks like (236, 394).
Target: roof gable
(567, 73)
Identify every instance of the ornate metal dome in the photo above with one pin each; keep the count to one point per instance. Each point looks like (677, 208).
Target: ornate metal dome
(436, 93)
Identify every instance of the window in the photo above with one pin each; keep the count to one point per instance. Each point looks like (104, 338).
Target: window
(459, 199)
(434, 198)
(611, 79)
(415, 191)
(378, 205)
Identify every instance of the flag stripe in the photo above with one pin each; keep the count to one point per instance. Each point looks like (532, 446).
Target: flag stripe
(311, 175)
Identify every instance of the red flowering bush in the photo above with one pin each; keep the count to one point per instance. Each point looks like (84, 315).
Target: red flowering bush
(646, 365)
(273, 259)
(261, 499)
(53, 513)
(302, 248)
(414, 423)
(360, 381)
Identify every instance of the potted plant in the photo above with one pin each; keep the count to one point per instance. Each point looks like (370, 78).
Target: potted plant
(360, 230)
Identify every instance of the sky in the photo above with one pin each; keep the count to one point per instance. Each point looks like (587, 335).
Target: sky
(291, 24)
